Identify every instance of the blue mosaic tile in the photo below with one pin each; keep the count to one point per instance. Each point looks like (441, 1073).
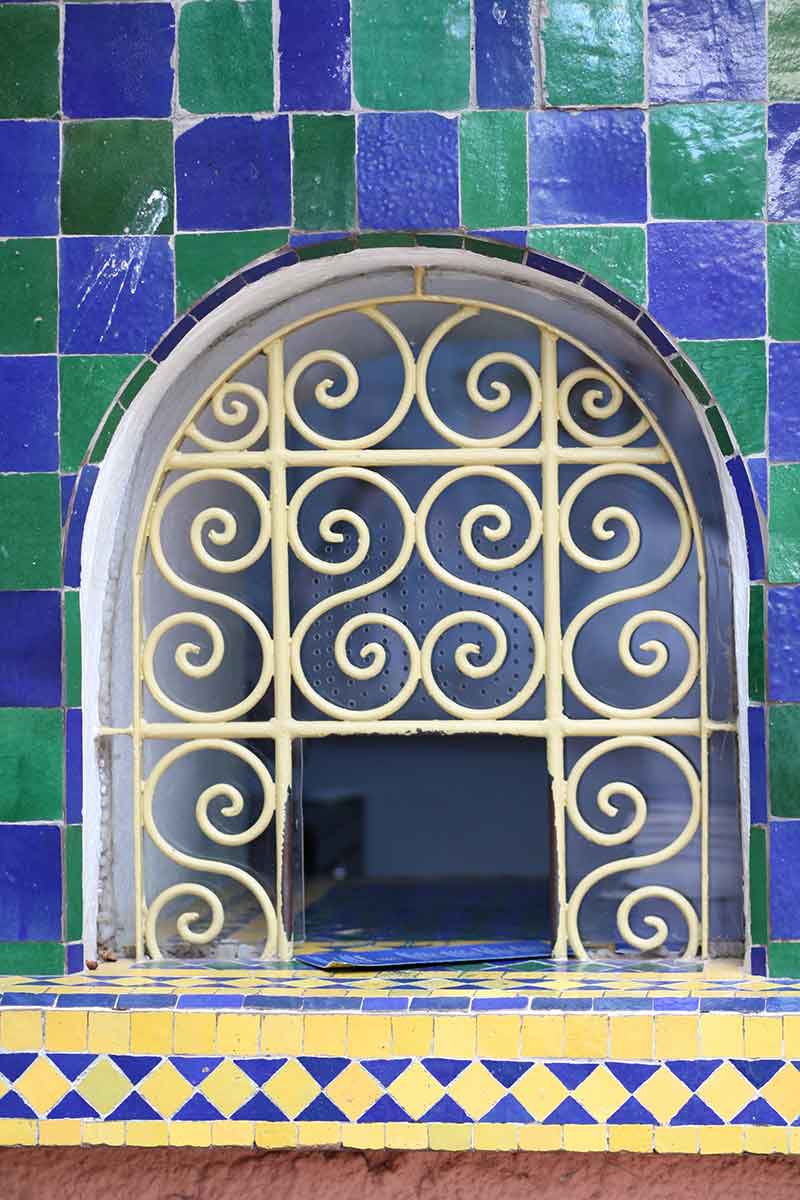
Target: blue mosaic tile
(759, 474)
(758, 1071)
(30, 883)
(447, 1112)
(569, 1112)
(385, 1070)
(30, 649)
(29, 162)
(12, 1105)
(407, 171)
(215, 298)
(258, 1108)
(736, 1004)
(707, 278)
(707, 50)
(552, 266)
(655, 335)
(77, 521)
(72, 1105)
(315, 55)
(696, 1112)
(623, 1004)
(87, 999)
(498, 1003)
(784, 411)
(693, 1072)
(194, 1068)
(13, 1065)
(445, 1070)
(758, 1112)
(508, 1110)
(260, 1069)
(784, 892)
(587, 167)
(29, 385)
(676, 1003)
(72, 1065)
(218, 1000)
(285, 1003)
(783, 621)
(384, 1109)
(116, 293)
(251, 274)
(139, 1000)
(571, 1074)
(611, 297)
(750, 515)
(783, 162)
(776, 1004)
(233, 173)
(171, 340)
(197, 1109)
(757, 745)
(440, 1003)
(117, 60)
(323, 1070)
(758, 964)
(74, 766)
(384, 1004)
(26, 1000)
(503, 54)
(133, 1108)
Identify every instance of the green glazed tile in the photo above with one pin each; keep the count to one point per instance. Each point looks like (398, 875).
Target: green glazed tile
(73, 861)
(755, 644)
(325, 249)
(784, 752)
(28, 296)
(136, 383)
(31, 757)
(117, 177)
(783, 50)
(784, 960)
(759, 928)
(106, 433)
(372, 241)
(736, 373)
(31, 958)
(783, 260)
(202, 260)
(88, 385)
(72, 649)
(720, 430)
(494, 182)
(784, 523)
(593, 52)
(614, 253)
(412, 55)
(441, 241)
(30, 532)
(29, 68)
(225, 56)
(323, 172)
(504, 250)
(707, 161)
(691, 379)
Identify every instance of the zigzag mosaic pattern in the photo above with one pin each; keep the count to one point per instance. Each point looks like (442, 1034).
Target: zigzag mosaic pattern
(134, 1087)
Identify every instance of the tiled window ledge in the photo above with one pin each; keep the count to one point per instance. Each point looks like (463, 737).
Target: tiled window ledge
(694, 1061)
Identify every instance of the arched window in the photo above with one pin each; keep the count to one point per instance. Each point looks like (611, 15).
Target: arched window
(421, 568)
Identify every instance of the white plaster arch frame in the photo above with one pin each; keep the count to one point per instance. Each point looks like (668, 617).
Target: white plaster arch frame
(197, 360)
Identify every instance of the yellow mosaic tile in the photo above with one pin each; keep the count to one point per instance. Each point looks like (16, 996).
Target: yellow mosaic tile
(680, 1139)
(65, 1132)
(237, 1033)
(726, 1091)
(318, 1133)
(42, 1086)
(325, 1033)
(586, 1035)
(636, 1138)
(766, 1139)
(601, 1094)
(227, 1087)
(232, 1133)
(189, 1133)
(151, 1032)
(663, 1094)
(721, 1139)
(539, 1137)
(402, 1135)
(412, 1035)
(66, 1030)
(14, 1132)
(291, 1088)
(194, 1032)
(109, 1032)
(763, 1037)
(282, 1033)
(782, 1092)
(369, 1136)
(539, 1091)
(354, 1091)
(791, 1035)
(454, 1037)
(103, 1086)
(491, 1136)
(369, 1035)
(631, 1036)
(415, 1090)
(542, 1035)
(275, 1135)
(476, 1090)
(721, 1035)
(450, 1137)
(165, 1089)
(104, 1133)
(21, 1029)
(676, 1035)
(146, 1133)
(584, 1138)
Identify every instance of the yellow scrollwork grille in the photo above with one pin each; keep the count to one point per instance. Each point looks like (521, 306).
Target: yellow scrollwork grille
(568, 422)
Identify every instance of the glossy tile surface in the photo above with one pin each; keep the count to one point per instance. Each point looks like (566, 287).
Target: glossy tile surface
(707, 50)
(593, 54)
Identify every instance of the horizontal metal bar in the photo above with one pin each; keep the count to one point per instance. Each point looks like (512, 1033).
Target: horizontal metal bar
(254, 460)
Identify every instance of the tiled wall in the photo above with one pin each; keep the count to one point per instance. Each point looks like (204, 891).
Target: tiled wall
(149, 150)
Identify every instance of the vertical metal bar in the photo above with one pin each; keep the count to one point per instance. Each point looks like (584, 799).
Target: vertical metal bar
(136, 729)
(554, 698)
(281, 634)
(704, 734)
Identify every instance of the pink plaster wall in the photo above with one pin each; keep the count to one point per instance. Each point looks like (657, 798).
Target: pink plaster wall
(131, 1174)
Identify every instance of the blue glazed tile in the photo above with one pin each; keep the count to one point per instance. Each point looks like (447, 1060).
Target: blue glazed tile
(696, 1112)
(75, 957)
(758, 964)
(508, 1110)
(587, 167)
(13, 1105)
(272, 264)
(652, 332)
(12, 1065)
(131, 1000)
(632, 1075)
(30, 649)
(77, 521)
(758, 1112)
(72, 1105)
(515, 237)
(117, 60)
(750, 516)
(27, 1000)
(67, 488)
(29, 160)
(29, 414)
(30, 883)
(194, 1068)
(197, 1109)
(778, 1003)
(323, 1070)
(321, 1109)
(72, 1065)
(560, 1004)
(552, 266)
(440, 1003)
(116, 293)
(707, 50)
(407, 171)
(707, 278)
(623, 1004)
(693, 1072)
(735, 1004)
(134, 1108)
(206, 1001)
(445, 1070)
(676, 1003)
(384, 1109)
(135, 1066)
(757, 745)
(784, 411)
(315, 55)
(233, 173)
(632, 1113)
(446, 1112)
(385, 1070)
(260, 1069)
(87, 999)
(384, 1004)
(503, 54)
(215, 298)
(611, 297)
(783, 621)
(759, 475)
(506, 1071)
(758, 1071)
(569, 1112)
(499, 1003)
(784, 891)
(74, 766)
(283, 1003)
(783, 162)
(572, 1075)
(317, 239)
(171, 340)
(258, 1108)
